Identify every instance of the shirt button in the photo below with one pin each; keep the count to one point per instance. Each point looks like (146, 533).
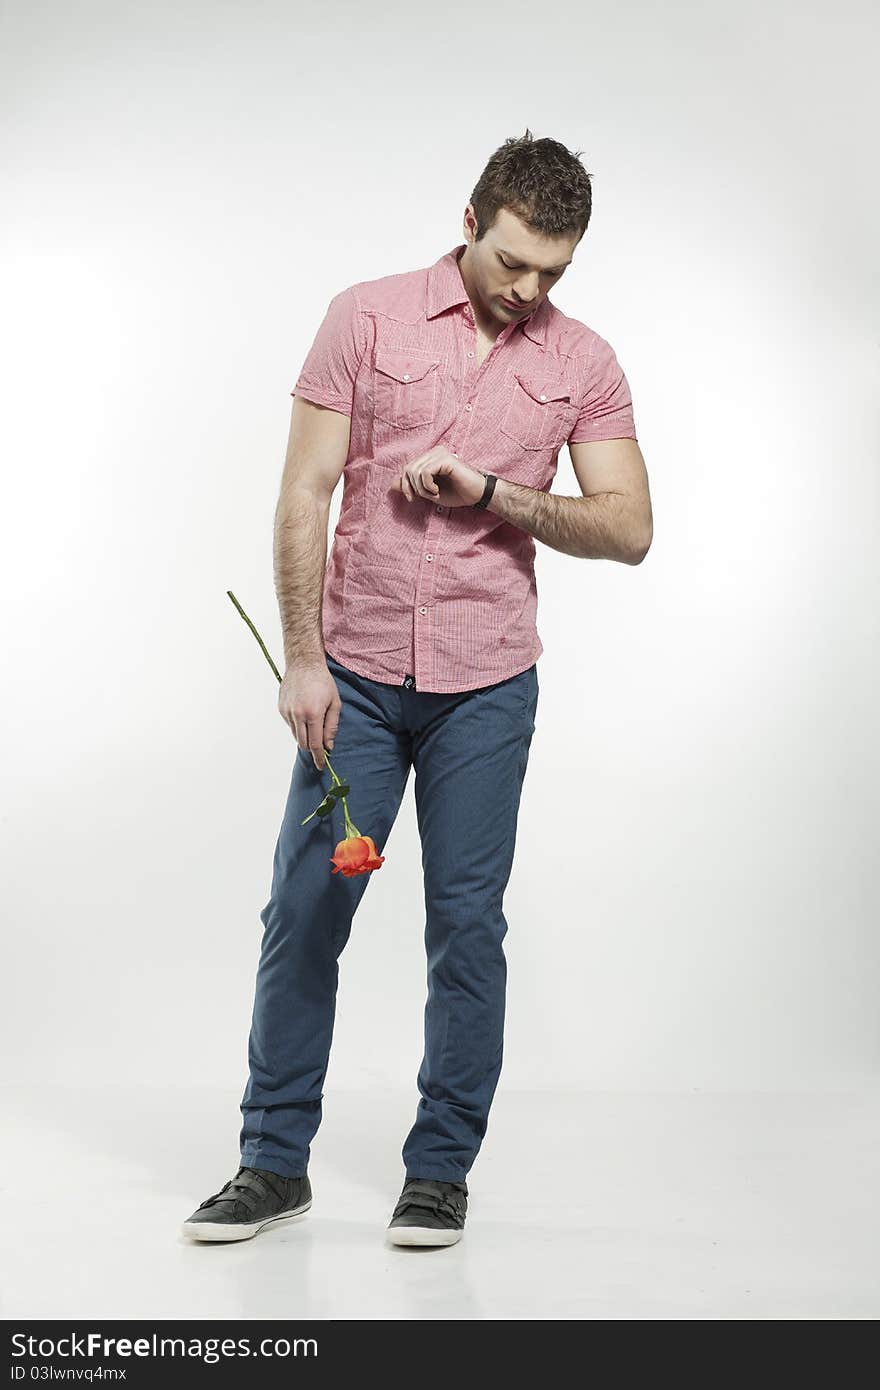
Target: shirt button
(438, 509)
(467, 407)
(429, 557)
(423, 610)
(406, 378)
(470, 354)
(543, 398)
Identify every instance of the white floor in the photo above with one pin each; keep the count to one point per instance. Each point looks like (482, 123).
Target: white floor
(585, 1206)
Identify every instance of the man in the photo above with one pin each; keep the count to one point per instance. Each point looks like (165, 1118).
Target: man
(443, 396)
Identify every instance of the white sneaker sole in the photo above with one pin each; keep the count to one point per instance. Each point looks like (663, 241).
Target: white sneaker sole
(237, 1230)
(422, 1235)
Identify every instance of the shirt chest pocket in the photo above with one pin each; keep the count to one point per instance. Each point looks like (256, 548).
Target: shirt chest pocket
(405, 388)
(540, 412)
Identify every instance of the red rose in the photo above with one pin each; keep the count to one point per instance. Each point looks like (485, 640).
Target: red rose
(357, 854)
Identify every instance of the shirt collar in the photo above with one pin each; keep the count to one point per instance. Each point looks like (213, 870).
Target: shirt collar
(445, 288)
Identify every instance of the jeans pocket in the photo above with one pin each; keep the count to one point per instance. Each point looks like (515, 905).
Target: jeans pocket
(530, 692)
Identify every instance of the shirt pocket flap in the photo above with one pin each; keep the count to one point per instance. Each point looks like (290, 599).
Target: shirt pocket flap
(404, 365)
(543, 389)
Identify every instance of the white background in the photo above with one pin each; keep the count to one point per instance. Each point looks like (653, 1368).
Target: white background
(694, 897)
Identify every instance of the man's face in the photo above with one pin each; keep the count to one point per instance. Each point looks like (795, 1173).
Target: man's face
(511, 266)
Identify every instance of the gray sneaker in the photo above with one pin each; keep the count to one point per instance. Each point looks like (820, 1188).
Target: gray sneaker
(254, 1198)
(429, 1212)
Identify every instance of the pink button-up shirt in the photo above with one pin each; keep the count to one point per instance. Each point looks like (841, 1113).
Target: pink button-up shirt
(446, 594)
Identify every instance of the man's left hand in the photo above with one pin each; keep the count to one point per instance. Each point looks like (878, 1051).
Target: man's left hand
(439, 476)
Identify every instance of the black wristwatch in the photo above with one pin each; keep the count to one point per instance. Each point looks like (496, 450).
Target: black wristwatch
(487, 490)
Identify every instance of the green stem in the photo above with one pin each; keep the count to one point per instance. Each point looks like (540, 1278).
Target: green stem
(351, 828)
(256, 634)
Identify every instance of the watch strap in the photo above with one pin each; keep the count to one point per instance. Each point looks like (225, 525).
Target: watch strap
(487, 490)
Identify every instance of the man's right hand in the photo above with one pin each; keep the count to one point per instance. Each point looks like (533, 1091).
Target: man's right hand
(309, 702)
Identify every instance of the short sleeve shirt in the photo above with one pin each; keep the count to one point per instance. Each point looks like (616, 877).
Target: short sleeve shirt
(447, 595)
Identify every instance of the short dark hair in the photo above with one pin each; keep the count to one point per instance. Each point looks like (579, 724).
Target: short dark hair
(540, 181)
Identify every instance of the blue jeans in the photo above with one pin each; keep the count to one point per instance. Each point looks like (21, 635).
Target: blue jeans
(469, 750)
